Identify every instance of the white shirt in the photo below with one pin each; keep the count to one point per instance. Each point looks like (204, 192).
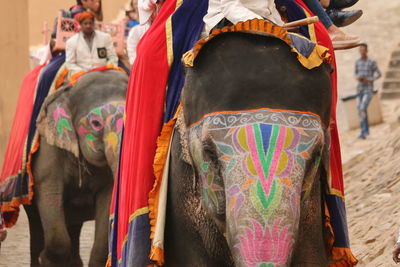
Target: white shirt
(79, 57)
(240, 10)
(135, 34)
(146, 8)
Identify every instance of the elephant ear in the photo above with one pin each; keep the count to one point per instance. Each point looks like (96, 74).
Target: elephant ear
(54, 122)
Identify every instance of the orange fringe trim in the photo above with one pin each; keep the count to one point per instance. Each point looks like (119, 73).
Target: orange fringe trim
(342, 257)
(61, 78)
(13, 205)
(156, 253)
(75, 77)
(317, 57)
(108, 263)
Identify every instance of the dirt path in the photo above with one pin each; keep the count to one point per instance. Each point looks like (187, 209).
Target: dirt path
(15, 250)
(371, 172)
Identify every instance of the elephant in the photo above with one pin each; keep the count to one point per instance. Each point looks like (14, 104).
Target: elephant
(80, 128)
(248, 160)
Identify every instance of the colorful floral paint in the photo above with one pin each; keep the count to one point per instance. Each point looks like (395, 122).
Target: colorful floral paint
(275, 242)
(62, 121)
(102, 124)
(266, 160)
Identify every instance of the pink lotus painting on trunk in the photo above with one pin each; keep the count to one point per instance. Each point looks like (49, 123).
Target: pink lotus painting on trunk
(263, 246)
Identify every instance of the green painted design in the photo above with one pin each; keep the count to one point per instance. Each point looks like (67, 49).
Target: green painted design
(272, 201)
(266, 265)
(62, 125)
(97, 110)
(90, 137)
(305, 146)
(205, 166)
(224, 148)
(261, 195)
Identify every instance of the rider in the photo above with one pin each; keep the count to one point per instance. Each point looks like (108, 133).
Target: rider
(147, 12)
(89, 48)
(228, 12)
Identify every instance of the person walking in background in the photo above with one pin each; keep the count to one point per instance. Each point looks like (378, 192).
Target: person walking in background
(366, 72)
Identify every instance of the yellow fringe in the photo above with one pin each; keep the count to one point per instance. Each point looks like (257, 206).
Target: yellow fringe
(317, 57)
(156, 253)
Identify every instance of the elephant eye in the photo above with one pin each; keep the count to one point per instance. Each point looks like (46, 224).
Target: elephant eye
(96, 123)
(210, 151)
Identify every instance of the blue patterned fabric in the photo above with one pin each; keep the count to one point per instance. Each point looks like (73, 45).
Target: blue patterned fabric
(185, 36)
(46, 79)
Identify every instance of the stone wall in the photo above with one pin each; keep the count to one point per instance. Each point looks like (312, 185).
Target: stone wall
(14, 62)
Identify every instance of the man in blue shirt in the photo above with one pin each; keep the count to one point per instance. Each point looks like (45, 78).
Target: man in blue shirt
(366, 71)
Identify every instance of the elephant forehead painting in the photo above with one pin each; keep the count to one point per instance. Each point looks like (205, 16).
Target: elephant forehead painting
(109, 117)
(255, 167)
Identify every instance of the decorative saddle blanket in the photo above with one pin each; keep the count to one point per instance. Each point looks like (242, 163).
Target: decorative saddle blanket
(309, 54)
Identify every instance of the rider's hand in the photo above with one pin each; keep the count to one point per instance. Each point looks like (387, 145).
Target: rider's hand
(396, 253)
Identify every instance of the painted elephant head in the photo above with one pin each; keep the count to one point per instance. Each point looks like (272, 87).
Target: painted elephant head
(87, 118)
(254, 168)
(256, 136)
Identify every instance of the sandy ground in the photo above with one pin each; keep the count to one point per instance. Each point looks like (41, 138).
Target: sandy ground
(372, 183)
(15, 251)
(371, 166)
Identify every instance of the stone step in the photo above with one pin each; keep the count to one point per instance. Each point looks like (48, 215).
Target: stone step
(394, 63)
(390, 94)
(391, 84)
(396, 54)
(392, 74)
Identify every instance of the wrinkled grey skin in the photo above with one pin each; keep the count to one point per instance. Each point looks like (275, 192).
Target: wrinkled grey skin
(239, 71)
(69, 190)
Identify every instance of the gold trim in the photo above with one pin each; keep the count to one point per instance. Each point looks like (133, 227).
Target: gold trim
(170, 48)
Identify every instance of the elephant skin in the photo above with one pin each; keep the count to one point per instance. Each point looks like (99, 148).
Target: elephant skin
(80, 129)
(214, 217)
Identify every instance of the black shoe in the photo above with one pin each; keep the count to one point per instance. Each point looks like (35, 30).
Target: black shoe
(343, 18)
(340, 4)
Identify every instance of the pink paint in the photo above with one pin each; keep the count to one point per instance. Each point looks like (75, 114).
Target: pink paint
(265, 245)
(256, 159)
(120, 124)
(277, 153)
(82, 131)
(59, 111)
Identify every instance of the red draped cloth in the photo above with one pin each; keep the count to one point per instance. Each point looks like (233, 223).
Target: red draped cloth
(14, 159)
(144, 114)
(335, 209)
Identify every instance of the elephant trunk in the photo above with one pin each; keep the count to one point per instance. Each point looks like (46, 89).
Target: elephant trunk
(112, 143)
(256, 174)
(261, 228)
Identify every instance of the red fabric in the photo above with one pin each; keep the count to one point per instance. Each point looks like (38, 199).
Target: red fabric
(144, 113)
(13, 160)
(336, 159)
(84, 15)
